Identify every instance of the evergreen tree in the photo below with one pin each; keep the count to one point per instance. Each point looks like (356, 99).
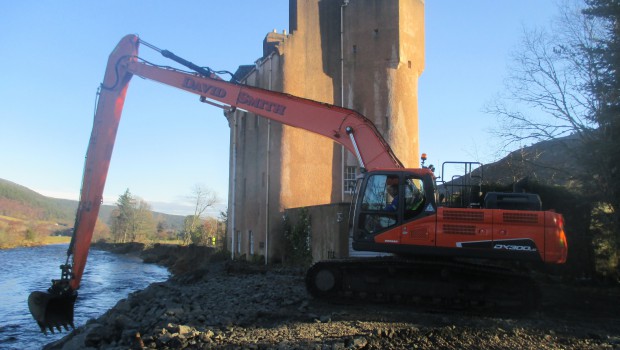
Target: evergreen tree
(132, 220)
(606, 89)
(123, 223)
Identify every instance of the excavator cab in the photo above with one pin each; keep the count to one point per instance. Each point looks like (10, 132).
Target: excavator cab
(389, 199)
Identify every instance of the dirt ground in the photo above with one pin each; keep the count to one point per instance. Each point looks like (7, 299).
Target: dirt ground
(214, 306)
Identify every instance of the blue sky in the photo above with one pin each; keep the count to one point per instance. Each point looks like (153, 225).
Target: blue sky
(54, 55)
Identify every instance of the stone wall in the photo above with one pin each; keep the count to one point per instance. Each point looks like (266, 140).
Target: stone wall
(329, 229)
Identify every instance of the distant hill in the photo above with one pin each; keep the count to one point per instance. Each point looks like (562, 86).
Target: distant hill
(543, 168)
(21, 202)
(548, 162)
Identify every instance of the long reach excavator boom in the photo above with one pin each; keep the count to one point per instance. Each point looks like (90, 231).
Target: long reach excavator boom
(396, 210)
(347, 127)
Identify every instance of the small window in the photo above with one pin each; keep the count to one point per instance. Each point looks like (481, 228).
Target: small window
(251, 241)
(239, 242)
(350, 172)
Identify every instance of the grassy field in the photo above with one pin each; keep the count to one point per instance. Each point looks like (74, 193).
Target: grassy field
(55, 240)
(8, 218)
(19, 232)
(40, 241)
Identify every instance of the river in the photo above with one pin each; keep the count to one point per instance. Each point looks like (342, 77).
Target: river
(107, 279)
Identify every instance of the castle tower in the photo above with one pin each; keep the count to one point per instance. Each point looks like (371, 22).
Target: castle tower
(365, 55)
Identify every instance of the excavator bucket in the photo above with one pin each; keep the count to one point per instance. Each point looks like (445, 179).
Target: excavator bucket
(52, 310)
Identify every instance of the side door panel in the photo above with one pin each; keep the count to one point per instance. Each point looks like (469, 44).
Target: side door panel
(419, 232)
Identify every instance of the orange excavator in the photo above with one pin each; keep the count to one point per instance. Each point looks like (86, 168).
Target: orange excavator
(440, 251)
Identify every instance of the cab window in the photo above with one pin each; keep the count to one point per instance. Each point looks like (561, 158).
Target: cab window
(380, 203)
(414, 197)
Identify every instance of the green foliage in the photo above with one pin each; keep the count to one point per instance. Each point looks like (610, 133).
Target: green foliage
(132, 220)
(30, 235)
(605, 243)
(222, 230)
(205, 232)
(190, 234)
(197, 236)
(122, 218)
(606, 143)
(298, 238)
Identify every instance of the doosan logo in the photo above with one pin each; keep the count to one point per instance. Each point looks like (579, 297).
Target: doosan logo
(514, 247)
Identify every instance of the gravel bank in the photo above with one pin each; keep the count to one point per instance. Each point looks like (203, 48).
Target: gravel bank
(220, 305)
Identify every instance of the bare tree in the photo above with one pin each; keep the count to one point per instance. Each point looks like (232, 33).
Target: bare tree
(203, 198)
(564, 81)
(549, 88)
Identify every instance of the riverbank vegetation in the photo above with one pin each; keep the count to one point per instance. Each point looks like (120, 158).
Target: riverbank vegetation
(17, 232)
(28, 218)
(130, 220)
(133, 221)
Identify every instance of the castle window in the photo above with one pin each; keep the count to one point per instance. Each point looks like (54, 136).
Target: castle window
(251, 242)
(349, 179)
(239, 242)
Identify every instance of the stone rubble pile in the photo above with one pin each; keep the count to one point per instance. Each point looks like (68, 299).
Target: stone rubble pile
(220, 307)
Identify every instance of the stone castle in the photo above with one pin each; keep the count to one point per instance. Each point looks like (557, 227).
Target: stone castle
(366, 55)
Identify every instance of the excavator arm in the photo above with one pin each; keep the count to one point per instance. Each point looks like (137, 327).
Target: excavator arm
(346, 127)
(54, 308)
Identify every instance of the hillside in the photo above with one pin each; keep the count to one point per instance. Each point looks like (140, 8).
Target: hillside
(17, 201)
(547, 162)
(23, 203)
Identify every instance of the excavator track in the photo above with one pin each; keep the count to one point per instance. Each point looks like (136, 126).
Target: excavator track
(443, 284)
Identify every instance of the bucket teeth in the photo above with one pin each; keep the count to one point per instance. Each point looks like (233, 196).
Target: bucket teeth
(52, 310)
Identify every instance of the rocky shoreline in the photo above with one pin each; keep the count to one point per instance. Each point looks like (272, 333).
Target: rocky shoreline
(210, 303)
